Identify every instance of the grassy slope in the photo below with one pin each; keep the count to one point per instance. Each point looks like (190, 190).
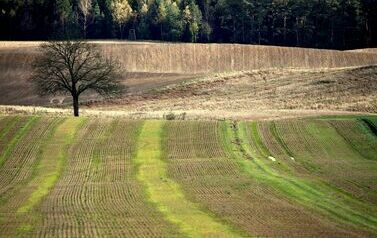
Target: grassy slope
(13, 142)
(204, 178)
(101, 176)
(23, 183)
(51, 164)
(333, 203)
(344, 165)
(167, 194)
(339, 152)
(197, 161)
(51, 161)
(361, 136)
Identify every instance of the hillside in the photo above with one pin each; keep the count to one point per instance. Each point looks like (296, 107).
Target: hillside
(65, 177)
(197, 58)
(226, 79)
(258, 94)
(262, 90)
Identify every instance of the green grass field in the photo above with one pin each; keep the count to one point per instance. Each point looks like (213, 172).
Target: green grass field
(88, 177)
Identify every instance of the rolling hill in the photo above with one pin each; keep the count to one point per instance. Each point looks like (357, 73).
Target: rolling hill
(283, 144)
(214, 80)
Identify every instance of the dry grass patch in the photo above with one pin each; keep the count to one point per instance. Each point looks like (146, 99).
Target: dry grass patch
(337, 89)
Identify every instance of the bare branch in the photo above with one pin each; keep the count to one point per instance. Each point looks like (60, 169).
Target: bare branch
(74, 67)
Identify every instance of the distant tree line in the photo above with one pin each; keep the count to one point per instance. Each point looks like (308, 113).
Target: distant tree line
(340, 24)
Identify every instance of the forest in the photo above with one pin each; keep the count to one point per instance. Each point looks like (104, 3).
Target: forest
(333, 24)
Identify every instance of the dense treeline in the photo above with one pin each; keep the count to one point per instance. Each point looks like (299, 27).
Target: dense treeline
(341, 24)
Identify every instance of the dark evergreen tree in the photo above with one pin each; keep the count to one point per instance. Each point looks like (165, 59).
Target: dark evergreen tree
(339, 24)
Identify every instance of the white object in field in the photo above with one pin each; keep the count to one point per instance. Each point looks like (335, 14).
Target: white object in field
(292, 158)
(272, 158)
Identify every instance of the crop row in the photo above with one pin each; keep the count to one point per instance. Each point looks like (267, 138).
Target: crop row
(359, 136)
(327, 169)
(9, 126)
(300, 190)
(225, 170)
(223, 189)
(19, 168)
(97, 195)
(331, 157)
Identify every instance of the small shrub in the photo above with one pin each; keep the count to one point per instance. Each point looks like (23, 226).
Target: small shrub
(170, 116)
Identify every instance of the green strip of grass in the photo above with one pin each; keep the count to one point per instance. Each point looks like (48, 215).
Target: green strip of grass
(262, 149)
(276, 136)
(312, 194)
(360, 138)
(52, 162)
(167, 194)
(370, 123)
(53, 159)
(20, 133)
(343, 117)
(8, 127)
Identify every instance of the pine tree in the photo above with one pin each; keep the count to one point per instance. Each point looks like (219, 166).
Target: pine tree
(63, 11)
(174, 20)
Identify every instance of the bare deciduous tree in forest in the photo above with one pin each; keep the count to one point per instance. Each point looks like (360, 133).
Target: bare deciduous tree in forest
(85, 7)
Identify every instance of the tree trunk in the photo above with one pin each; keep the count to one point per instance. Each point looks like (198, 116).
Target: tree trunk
(234, 30)
(161, 32)
(285, 30)
(332, 33)
(76, 106)
(243, 30)
(252, 30)
(84, 26)
(297, 33)
(369, 32)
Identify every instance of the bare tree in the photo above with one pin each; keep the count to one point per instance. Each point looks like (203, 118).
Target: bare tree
(85, 7)
(73, 67)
